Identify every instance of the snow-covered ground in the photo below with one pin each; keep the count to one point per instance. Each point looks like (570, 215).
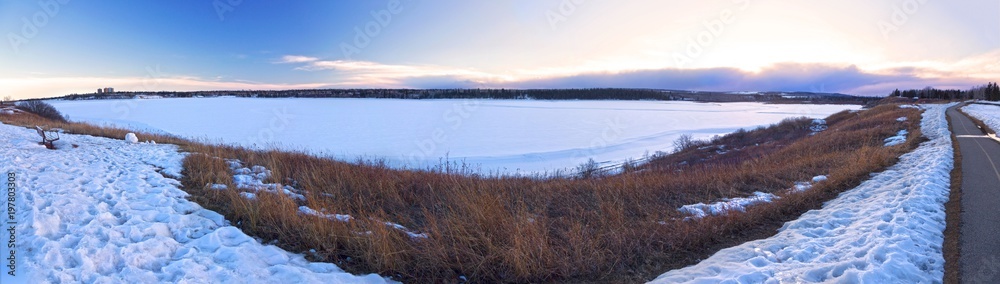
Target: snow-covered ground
(989, 114)
(887, 230)
(987, 102)
(509, 136)
(102, 212)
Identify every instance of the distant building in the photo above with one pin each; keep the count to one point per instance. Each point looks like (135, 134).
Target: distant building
(105, 90)
(100, 91)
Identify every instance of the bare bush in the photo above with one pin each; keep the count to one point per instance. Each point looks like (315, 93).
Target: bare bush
(589, 169)
(685, 142)
(629, 165)
(42, 109)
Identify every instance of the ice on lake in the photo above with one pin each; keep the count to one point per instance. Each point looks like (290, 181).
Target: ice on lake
(510, 136)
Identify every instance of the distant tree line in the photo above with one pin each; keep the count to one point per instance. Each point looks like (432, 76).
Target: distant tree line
(507, 94)
(989, 92)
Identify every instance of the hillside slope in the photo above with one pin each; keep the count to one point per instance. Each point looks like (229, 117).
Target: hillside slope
(102, 210)
(887, 230)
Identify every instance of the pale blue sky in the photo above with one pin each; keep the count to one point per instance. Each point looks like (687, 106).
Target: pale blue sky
(55, 47)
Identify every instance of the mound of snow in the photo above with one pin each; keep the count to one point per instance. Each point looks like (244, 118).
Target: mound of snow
(900, 138)
(818, 179)
(253, 179)
(889, 229)
(131, 138)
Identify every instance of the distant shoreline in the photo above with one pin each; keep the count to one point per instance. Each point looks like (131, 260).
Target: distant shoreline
(503, 94)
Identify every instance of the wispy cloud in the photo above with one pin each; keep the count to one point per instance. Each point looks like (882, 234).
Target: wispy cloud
(364, 73)
(296, 59)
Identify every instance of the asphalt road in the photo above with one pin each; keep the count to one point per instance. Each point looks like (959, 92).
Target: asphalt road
(980, 228)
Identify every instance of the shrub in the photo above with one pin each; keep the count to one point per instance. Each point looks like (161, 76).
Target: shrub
(42, 109)
(686, 142)
(589, 169)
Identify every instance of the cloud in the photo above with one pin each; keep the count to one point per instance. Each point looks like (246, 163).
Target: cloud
(811, 77)
(788, 77)
(372, 74)
(296, 59)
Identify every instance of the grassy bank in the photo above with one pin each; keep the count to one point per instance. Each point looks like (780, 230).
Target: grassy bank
(616, 228)
(952, 232)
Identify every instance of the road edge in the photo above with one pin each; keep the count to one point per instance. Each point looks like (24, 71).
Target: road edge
(953, 213)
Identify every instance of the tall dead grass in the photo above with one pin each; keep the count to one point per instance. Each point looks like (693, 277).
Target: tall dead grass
(618, 228)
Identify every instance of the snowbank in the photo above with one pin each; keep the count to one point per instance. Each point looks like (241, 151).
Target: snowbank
(887, 230)
(989, 114)
(105, 212)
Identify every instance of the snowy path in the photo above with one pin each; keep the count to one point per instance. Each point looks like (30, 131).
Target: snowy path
(889, 229)
(102, 213)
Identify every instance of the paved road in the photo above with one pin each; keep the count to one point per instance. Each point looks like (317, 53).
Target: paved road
(980, 240)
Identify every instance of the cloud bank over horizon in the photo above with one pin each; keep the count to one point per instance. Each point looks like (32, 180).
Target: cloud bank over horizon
(789, 77)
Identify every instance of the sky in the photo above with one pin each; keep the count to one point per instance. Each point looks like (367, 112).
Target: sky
(59, 47)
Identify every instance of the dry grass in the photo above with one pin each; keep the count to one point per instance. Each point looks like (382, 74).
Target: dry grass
(619, 228)
(953, 220)
(31, 120)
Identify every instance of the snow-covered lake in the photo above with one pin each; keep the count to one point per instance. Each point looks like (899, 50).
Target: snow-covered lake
(511, 136)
